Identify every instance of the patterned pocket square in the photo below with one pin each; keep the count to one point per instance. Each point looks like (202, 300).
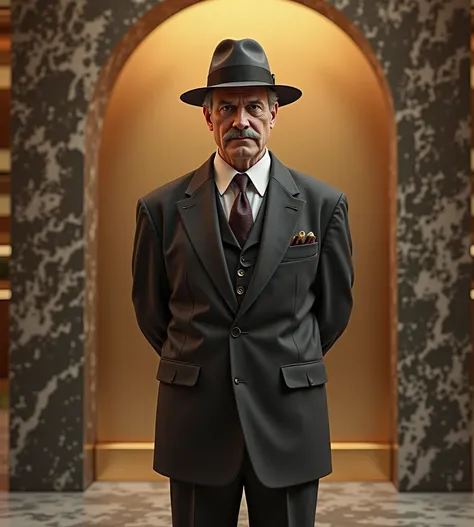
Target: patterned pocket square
(303, 239)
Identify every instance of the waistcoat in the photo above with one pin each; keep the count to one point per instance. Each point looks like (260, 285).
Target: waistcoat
(240, 260)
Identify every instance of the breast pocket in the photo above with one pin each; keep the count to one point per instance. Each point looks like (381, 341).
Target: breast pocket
(297, 253)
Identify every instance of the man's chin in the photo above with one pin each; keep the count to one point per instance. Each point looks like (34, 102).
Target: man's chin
(245, 149)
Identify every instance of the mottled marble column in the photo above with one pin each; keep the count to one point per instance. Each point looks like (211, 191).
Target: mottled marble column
(424, 49)
(66, 57)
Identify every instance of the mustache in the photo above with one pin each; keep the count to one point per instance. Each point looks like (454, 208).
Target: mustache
(235, 133)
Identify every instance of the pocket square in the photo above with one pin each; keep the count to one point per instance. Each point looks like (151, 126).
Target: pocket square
(303, 239)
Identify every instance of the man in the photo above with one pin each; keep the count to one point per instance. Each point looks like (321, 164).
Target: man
(242, 278)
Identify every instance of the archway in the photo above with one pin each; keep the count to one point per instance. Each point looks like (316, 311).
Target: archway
(342, 131)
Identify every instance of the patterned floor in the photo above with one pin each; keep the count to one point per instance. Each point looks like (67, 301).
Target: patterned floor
(147, 505)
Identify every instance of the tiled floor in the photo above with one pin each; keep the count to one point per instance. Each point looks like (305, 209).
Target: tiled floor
(147, 505)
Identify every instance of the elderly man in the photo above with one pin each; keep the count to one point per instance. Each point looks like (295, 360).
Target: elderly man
(242, 279)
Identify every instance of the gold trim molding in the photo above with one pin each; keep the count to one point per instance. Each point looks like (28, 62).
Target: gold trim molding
(351, 462)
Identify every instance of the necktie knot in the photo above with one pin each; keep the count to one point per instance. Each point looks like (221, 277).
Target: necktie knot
(242, 181)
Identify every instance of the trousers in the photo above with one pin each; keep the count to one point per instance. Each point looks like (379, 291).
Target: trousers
(219, 506)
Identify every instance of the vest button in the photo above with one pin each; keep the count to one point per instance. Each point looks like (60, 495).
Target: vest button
(236, 332)
(241, 272)
(236, 381)
(244, 262)
(240, 290)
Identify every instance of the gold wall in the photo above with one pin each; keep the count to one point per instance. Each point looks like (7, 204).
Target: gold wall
(338, 132)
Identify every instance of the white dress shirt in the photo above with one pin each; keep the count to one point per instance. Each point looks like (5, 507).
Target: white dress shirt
(258, 174)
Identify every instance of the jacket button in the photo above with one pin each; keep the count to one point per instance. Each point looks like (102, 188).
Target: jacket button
(236, 381)
(236, 332)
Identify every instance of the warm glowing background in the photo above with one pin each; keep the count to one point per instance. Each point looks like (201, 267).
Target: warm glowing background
(338, 132)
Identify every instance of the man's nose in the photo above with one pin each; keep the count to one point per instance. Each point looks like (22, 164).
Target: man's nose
(241, 120)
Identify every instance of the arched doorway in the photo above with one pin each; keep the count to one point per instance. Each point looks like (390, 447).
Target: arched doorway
(342, 132)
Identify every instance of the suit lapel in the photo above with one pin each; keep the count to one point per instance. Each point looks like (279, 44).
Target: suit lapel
(200, 218)
(282, 213)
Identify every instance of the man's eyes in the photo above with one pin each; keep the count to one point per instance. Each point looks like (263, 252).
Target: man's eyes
(251, 107)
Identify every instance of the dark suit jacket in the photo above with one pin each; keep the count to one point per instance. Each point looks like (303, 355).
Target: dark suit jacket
(253, 374)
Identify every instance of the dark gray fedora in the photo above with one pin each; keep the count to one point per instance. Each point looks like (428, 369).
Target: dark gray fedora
(237, 63)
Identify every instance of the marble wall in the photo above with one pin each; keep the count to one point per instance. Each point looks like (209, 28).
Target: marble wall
(66, 57)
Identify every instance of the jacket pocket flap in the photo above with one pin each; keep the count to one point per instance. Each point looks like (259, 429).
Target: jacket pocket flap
(304, 374)
(178, 372)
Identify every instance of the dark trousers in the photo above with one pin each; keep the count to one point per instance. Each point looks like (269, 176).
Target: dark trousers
(206, 506)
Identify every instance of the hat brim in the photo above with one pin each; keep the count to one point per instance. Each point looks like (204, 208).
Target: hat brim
(286, 94)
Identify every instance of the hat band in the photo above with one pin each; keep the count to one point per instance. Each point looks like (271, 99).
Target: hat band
(239, 74)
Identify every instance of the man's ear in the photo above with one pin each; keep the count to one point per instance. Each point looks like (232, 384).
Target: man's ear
(207, 116)
(274, 112)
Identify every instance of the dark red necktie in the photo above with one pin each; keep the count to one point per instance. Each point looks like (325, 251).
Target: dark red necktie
(240, 219)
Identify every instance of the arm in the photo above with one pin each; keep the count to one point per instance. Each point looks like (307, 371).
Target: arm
(150, 291)
(335, 278)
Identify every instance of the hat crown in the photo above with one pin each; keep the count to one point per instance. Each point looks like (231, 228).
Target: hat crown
(245, 52)
(237, 64)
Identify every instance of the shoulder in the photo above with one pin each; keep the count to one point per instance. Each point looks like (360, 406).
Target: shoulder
(169, 192)
(159, 205)
(318, 192)
(312, 185)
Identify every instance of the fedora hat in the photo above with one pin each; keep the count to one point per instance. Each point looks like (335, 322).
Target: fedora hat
(237, 63)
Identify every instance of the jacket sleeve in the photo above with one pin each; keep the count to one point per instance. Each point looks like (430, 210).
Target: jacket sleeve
(335, 278)
(150, 290)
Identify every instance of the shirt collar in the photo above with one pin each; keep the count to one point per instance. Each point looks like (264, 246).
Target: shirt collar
(259, 173)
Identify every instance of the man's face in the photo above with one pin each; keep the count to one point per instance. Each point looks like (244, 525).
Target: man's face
(241, 121)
